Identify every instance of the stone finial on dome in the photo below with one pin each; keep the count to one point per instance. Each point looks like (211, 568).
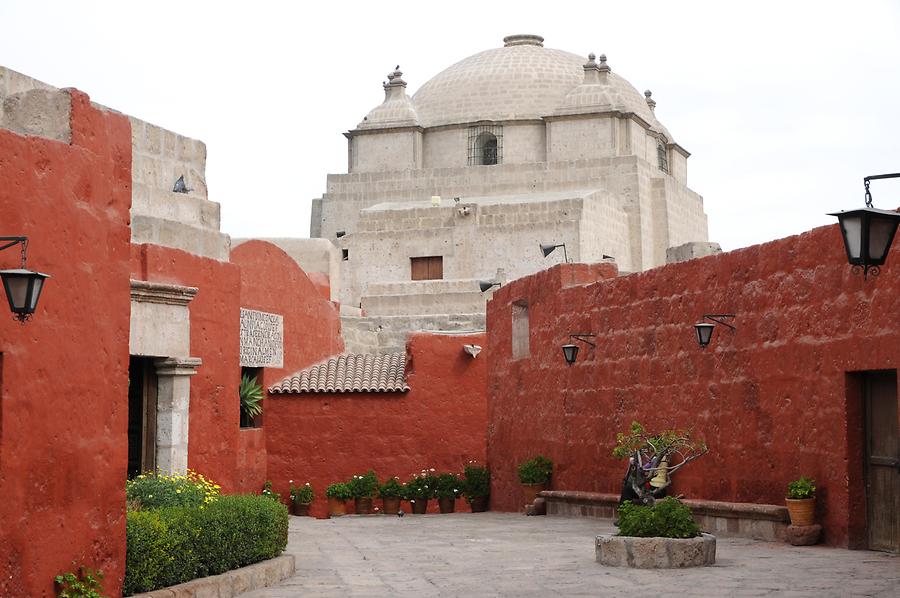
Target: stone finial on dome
(650, 101)
(397, 108)
(591, 70)
(523, 39)
(395, 78)
(603, 66)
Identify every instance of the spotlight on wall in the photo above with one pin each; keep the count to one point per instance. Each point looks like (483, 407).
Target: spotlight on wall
(570, 352)
(340, 233)
(548, 249)
(484, 285)
(868, 232)
(608, 257)
(23, 287)
(705, 330)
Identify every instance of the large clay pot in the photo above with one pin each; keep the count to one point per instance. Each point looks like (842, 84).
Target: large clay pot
(447, 505)
(364, 505)
(419, 505)
(391, 504)
(478, 503)
(802, 510)
(336, 507)
(530, 491)
(301, 509)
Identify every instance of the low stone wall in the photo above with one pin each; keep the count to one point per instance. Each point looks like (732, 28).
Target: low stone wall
(231, 583)
(656, 553)
(743, 520)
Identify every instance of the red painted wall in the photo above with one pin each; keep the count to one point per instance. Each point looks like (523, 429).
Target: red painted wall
(771, 399)
(440, 423)
(64, 377)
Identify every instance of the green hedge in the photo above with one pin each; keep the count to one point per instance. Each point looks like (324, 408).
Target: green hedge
(177, 544)
(668, 518)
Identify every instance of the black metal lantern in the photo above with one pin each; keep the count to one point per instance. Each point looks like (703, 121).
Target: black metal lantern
(22, 286)
(868, 232)
(570, 352)
(705, 330)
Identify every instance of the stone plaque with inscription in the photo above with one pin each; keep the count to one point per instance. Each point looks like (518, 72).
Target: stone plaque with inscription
(262, 339)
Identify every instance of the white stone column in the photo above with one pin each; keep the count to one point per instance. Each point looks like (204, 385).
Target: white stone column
(172, 409)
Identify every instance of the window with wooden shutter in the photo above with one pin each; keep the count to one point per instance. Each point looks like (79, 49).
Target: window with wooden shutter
(426, 268)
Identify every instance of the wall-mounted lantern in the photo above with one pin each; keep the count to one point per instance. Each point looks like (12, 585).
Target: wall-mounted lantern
(570, 352)
(705, 330)
(868, 232)
(484, 285)
(548, 249)
(23, 287)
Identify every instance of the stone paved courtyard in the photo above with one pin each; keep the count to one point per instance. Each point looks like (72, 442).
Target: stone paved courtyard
(499, 554)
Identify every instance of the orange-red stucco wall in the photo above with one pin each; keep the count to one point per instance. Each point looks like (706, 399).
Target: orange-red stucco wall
(64, 375)
(770, 398)
(440, 423)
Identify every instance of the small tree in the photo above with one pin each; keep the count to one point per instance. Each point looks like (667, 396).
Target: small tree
(655, 458)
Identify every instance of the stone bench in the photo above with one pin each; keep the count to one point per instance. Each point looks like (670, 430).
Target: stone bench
(734, 519)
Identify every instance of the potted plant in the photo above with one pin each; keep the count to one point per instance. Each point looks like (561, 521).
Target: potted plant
(301, 497)
(477, 486)
(390, 492)
(447, 489)
(801, 501)
(534, 476)
(419, 489)
(338, 493)
(363, 488)
(267, 491)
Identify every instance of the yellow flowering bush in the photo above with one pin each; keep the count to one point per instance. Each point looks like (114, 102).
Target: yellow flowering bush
(155, 490)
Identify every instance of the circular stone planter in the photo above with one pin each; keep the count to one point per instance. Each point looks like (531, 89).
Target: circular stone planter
(656, 553)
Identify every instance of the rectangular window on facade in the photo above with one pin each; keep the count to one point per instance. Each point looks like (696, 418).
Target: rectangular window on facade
(251, 396)
(345, 254)
(426, 268)
(520, 330)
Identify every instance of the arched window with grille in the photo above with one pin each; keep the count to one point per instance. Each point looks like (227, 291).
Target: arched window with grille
(485, 145)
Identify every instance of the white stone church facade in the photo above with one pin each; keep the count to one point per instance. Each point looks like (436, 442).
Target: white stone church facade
(506, 150)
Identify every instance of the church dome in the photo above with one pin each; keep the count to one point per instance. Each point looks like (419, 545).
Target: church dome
(522, 80)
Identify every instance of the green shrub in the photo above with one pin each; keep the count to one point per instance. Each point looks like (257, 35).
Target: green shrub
(176, 544)
(536, 471)
(339, 490)
(392, 488)
(421, 486)
(154, 491)
(802, 488)
(84, 584)
(364, 486)
(303, 494)
(447, 485)
(477, 481)
(668, 518)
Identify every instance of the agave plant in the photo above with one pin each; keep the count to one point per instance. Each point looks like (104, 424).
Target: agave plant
(251, 396)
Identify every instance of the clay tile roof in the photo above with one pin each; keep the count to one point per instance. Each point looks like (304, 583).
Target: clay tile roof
(363, 372)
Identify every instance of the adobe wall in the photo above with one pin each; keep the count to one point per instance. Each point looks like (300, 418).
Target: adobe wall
(64, 375)
(772, 399)
(440, 423)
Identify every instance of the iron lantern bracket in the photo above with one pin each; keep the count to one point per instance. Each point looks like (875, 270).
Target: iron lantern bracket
(7, 242)
(720, 319)
(582, 337)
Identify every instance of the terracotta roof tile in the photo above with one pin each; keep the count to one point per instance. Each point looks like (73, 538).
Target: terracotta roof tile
(353, 372)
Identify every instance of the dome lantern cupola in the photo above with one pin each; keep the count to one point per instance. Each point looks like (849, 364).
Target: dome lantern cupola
(397, 110)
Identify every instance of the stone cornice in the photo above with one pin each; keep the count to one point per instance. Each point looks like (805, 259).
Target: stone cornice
(679, 149)
(143, 291)
(177, 366)
(397, 129)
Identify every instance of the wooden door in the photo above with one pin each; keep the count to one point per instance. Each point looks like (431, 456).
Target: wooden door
(141, 416)
(882, 461)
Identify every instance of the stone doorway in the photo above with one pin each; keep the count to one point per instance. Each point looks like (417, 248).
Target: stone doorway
(142, 397)
(882, 460)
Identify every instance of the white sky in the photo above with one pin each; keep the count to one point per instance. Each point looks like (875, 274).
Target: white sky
(785, 106)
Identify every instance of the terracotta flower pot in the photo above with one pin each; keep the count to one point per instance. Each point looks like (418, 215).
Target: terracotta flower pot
(364, 505)
(419, 505)
(478, 503)
(530, 491)
(301, 509)
(802, 510)
(336, 507)
(390, 504)
(447, 505)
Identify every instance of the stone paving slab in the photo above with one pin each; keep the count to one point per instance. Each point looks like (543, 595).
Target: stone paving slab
(501, 554)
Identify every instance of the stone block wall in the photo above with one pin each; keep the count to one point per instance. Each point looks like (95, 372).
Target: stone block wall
(441, 422)
(772, 398)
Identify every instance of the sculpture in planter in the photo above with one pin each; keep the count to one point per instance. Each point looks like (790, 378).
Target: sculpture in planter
(338, 493)
(534, 475)
(390, 492)
(477, 486)
(363, 488)
(652, 461)
(447, 490)
(301, 498)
